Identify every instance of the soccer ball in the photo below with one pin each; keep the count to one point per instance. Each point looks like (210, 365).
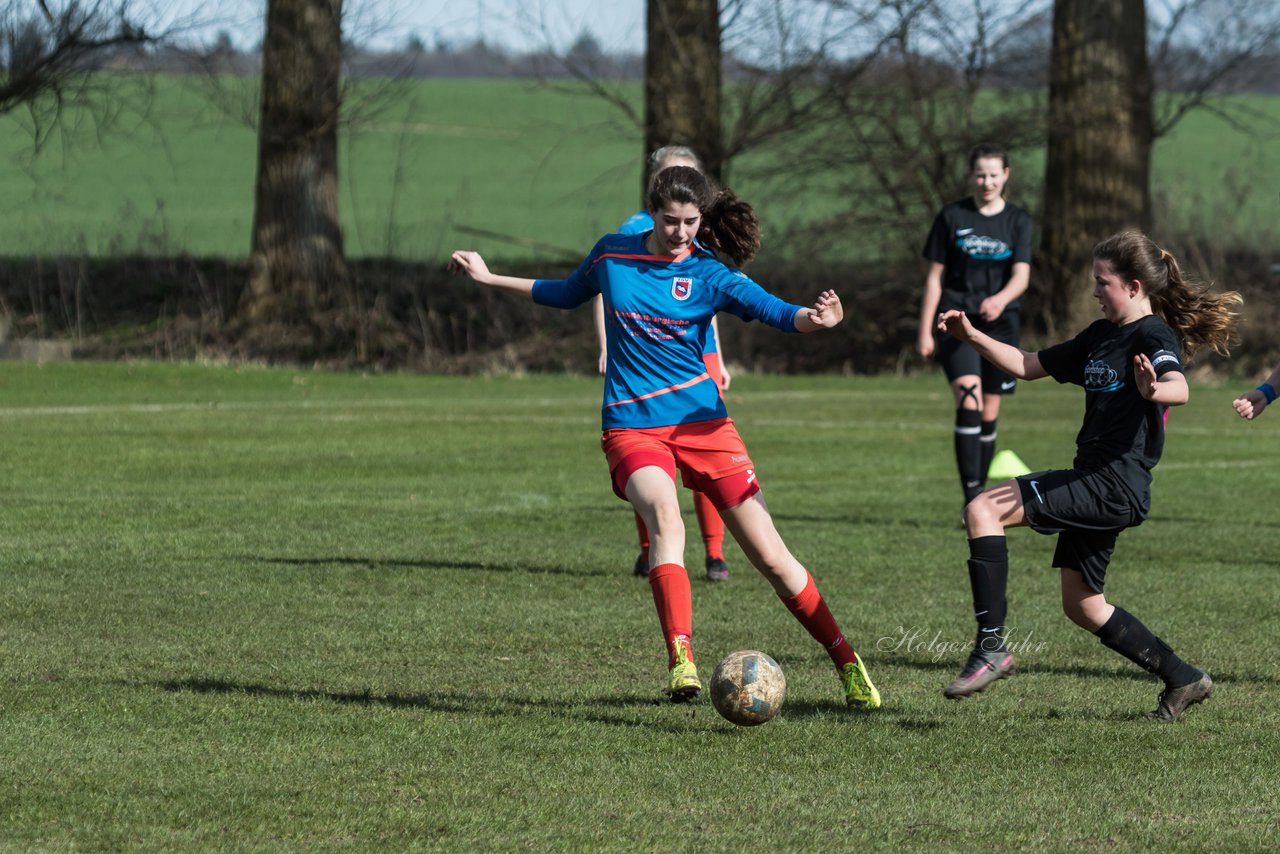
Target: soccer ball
(747, 687)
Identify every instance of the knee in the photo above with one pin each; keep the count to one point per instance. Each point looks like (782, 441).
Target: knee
(773, 559)
(982, 516)
(1089, 614)
(668, 519)
(1074, 611)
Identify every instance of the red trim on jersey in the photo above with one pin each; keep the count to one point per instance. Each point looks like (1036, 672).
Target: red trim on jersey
(699, 378)
(662, 259)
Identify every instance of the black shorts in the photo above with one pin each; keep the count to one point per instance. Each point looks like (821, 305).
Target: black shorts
(959, 359)
(1087, 510)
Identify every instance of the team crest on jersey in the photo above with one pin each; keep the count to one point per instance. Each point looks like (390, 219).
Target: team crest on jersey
(681, 288)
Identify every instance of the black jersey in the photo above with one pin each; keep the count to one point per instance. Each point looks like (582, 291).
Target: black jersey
(1120, 425)
(978, 252)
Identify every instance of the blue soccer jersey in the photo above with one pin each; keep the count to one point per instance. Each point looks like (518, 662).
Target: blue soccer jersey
(640, 222)
(658, 312)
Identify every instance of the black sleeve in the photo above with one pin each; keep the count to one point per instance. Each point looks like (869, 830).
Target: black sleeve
(1065, 362)
(1160, 345)
(936, 244)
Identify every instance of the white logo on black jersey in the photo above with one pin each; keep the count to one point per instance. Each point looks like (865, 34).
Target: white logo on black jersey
(1099, 376)
(983, 248)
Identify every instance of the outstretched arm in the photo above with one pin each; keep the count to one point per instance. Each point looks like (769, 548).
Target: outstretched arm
(470, 263)
(1022, 364)
(1251, 404)
(825, 313)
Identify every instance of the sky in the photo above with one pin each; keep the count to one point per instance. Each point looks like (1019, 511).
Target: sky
(618, 25)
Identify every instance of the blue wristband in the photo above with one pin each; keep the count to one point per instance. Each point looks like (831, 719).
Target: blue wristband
(1268, 392)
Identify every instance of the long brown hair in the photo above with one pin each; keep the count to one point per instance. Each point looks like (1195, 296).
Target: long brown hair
(1201, 318)
(729, 224)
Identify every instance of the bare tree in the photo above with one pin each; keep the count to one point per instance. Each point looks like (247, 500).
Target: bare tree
(51, 49)
(1103, 121)
(1098, 170)
(297, 262)
(682, 79)
(894, 121)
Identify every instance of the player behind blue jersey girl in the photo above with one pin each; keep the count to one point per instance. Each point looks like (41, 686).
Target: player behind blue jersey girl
(979, 253)
(663, 412)
(709, 521)
(1130, 364)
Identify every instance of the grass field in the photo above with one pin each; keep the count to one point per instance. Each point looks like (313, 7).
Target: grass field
(258, 609)
(506, 156)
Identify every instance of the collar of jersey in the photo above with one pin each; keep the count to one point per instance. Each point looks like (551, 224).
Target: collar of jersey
(677, 259)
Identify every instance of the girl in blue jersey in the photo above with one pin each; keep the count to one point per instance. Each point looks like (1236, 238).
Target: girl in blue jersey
(979, 253)
(709, 521)
(662, 411)
(1130, 365)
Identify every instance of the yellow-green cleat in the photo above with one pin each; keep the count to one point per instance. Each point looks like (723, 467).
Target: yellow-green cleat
(684, 685)
(859, 691)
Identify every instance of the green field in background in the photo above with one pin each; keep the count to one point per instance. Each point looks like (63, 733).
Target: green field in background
(439, 156)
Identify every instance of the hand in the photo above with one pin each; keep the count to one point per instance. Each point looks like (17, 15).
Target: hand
(925, 344)
(724, 376)
(956, 323)
(1144, 376)
(827, 310)
(603, 362)
(470, 263)
(991, 308)
(1250, 404)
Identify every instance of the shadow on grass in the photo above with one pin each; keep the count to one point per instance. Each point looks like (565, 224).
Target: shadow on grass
(592, 709)
(617, 710)
(400, 563)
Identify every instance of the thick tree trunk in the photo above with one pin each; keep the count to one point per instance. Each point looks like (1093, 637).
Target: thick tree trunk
(1098, 169)
(682, 79)
(297, 265)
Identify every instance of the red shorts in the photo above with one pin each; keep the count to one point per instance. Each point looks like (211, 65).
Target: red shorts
(710, 455)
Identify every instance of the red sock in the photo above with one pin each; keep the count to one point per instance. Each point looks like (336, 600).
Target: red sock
(808, 607)
(671, 595)
(644, 535)
(711, 524)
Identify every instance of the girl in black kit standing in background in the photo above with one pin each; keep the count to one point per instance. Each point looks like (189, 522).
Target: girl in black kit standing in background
(1130, 364)
(979, 253)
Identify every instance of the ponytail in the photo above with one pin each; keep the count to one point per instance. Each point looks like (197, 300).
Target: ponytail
(730, 228)
(1199, 317)
(729, 224)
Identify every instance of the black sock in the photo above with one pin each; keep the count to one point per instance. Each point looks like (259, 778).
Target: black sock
(969, 452)
(987, 442)
(1127, 635)
(988, 575)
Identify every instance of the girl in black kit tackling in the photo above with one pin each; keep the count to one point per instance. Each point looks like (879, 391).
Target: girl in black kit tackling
(979, 253)
(1130, 365)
